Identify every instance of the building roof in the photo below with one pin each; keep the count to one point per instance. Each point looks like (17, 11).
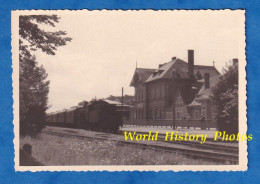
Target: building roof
(181, 67)
(116, 103)
(165, 70)
(141, 75)
(193, 104)
(204, 93)
(206, 69)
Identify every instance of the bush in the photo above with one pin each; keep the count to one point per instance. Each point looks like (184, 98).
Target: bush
(33, 122)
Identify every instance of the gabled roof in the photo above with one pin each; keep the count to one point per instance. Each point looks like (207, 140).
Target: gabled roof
(165, 70)
(181, 68)
(204, 94)
(141, 74)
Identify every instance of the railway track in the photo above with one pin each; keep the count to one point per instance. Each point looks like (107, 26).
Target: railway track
(225, 154)
(220, 147)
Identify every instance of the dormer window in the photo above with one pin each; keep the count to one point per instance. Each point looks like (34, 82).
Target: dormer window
(160, 71)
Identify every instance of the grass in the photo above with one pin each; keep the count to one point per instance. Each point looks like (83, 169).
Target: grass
(55, 150)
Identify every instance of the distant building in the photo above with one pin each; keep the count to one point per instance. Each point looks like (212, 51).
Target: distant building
(176, 88)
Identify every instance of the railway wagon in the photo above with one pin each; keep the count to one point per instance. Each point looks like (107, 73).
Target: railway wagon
(61, 117)
(100, 115)
(71, 117)
(54, 118)
(50, 118)
(95, 115)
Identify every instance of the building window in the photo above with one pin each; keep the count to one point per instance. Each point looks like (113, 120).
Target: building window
(196, 115)
(179, 102)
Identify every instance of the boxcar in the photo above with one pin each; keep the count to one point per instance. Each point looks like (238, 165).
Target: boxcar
(55, 119)
(95, 115)
(61, 117)
(100, 115)
(71, 117)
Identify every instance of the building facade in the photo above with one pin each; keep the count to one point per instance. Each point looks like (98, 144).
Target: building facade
(175, 90)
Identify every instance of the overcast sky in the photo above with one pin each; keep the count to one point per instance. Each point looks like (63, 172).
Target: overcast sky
(106, 45)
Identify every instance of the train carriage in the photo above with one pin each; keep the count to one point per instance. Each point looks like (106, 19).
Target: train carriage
(101, 115)
(61, 117)
(72, 117)
(95, 115)
(55, 119)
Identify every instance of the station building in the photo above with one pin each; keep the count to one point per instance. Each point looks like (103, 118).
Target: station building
(176, 89)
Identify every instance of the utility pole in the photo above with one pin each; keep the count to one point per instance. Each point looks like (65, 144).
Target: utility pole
(173, 110)
(122, 101)
(174, 89)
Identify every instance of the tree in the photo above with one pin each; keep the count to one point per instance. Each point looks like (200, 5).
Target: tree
(34, 86)
(225, 96)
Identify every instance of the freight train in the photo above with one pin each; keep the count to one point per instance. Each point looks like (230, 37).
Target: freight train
(95, 115)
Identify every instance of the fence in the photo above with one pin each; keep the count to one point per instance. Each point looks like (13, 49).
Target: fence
(178, 123)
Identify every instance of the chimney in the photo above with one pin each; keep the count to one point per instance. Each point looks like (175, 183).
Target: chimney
(206, 80)
(235, 61)
(191, 62)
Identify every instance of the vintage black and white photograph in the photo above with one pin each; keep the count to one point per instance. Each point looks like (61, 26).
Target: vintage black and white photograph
(129, 90)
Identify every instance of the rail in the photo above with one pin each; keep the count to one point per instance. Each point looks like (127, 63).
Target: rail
(207, 124)
(220, 153)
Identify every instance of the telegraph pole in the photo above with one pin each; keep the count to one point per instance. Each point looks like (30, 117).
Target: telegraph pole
(122, 101)
(173, 111)
(174, 88)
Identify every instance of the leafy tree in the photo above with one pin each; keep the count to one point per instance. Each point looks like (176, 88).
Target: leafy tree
(34, 86)
(225, 96)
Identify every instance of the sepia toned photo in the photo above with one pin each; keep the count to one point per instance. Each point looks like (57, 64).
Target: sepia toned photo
(129, 90)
